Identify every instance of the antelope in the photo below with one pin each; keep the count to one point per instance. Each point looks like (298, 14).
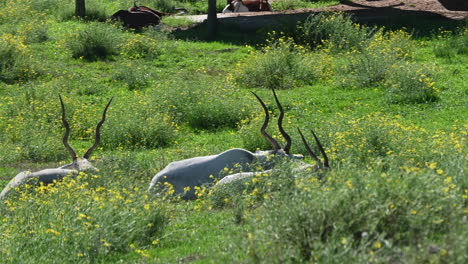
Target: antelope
(78, 164)
(237, 6)
(136, 19)
(185, 175)
(137, 8)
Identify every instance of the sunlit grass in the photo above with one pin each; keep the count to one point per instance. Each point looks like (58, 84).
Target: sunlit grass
(396, 188)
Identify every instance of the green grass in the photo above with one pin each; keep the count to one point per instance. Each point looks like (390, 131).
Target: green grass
(390, 109)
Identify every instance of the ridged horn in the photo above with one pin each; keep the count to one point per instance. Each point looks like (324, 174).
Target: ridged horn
(287, 146)
(67, 131)
(309, 150)
(270, 139)
(322, 150)
(98, 131)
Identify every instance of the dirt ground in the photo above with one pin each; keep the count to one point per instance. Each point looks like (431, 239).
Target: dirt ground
(363, 10)
(458, 8)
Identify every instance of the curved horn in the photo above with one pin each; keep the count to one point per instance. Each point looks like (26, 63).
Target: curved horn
(265, 124)
(309, 150)
(67, 131)
(280, 125)
(322, 150)
(98, 132)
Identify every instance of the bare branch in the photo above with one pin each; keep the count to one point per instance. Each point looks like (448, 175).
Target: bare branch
(98, 131)
(280, 125)
(67, 132)
(270, 139)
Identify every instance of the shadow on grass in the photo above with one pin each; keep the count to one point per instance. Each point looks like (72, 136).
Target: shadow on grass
(252, 30)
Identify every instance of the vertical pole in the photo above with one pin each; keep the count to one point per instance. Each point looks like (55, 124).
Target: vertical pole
(80, 8)
(212, 20)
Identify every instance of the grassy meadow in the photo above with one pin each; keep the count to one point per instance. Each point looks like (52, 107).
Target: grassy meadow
(389, 106)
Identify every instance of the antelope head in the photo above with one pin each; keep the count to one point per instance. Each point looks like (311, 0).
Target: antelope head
(285, 151)
(277, 149)
(81, 163)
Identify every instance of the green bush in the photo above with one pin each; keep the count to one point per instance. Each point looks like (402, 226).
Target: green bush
(145, 45)
(281, 65)
(131, 127)
(164, 5)
(451, 45)
(369, 67)
(335, 31)
(134, 77)
(367, 216)
(288, 4)
(204, 105)
(409, 84)
(88, 217)
(96, 42)
(15, 59)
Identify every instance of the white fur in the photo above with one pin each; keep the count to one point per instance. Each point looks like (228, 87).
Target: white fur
(238, 7)
(203, 170)
(46, 176)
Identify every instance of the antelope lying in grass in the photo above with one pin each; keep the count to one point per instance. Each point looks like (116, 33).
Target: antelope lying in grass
(238, 6)
(47, 176)
(185, 175)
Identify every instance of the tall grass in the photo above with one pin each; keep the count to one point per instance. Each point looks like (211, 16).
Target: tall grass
(205, 105)
(452, 44)
(83, 219)
(385, 200)
(95, 42)
(334, 31)
(15, 59)
(280, 65)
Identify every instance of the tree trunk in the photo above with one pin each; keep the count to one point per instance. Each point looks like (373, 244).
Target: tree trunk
(80, 8)
(212, 22)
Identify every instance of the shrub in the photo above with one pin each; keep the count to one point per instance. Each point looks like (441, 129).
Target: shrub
(205, 105)
(451, 44)
(15, 62)
(370, 66)
(134, 77)
(88, 217)
(142, 127)
(334, 31)
(288, 4)
(164, 5)
(367, 216)
(409, 84)
(34, 29)
(95, 42)
(140, 46)
(281, 65)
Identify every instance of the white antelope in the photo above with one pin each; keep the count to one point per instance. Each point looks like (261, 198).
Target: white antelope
(239, 6)
(185, 175)
(47, 176)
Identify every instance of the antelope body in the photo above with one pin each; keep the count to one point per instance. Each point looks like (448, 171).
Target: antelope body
(203, 170)
(48, 176)
(237, 6)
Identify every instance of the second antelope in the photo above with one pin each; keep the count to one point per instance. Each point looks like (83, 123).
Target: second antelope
(185, 175)
(47, 176)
